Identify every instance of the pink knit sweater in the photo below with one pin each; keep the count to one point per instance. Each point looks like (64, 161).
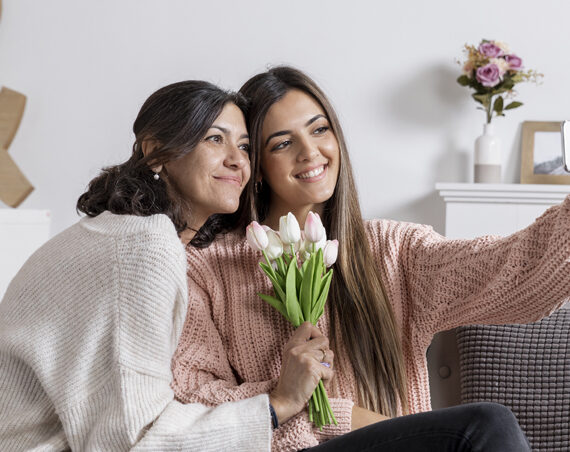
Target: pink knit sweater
(232, 342)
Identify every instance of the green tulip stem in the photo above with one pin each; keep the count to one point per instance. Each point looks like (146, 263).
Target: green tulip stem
(268, 263)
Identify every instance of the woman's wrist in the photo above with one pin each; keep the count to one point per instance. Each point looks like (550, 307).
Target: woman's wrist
(274, 420)
(280, 408)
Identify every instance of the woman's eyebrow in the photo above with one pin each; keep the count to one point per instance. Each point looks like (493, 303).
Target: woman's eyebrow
(276, 134)
(220, 128)
(313, 119)
(226, 131)
(285, 132)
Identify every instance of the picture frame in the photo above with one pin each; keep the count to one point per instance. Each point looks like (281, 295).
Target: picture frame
(542, 153)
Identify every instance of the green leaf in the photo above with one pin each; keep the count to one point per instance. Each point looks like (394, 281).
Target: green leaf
(281, 266)
(498, 106)
(327, 275)
(278, 288)
(291, 302)
(267, 269)
(275, 303)
(273, 276)
(298, 279)
(306, 291)
(304, 266)
(508, 84)
(317, 275)
(513, 105)
(464, 80)
(483, 99)
(319, 307)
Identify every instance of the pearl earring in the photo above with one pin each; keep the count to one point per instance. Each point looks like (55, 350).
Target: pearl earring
(156, 176)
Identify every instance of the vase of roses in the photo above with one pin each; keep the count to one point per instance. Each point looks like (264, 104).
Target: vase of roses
(492, 70)
(298, 265)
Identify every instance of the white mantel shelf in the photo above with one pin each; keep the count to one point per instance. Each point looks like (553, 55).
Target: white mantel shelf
(473, 210)
(503, 193)
(22, 231)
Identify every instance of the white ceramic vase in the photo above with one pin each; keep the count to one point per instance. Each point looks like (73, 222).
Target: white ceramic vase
(487, 158)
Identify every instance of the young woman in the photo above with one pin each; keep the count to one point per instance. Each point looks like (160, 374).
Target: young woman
(89, 325)
(395, 285)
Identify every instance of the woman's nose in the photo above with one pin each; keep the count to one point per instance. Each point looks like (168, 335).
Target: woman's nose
(308, 150)
(236, 157)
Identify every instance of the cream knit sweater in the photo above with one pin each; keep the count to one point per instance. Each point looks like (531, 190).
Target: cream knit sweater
(87, 331)
(232, 342)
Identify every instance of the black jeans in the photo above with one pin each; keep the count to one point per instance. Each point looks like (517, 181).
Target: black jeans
(488, 427)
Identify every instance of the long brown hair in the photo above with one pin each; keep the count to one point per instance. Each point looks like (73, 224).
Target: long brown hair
(357, 296)
(176, 118)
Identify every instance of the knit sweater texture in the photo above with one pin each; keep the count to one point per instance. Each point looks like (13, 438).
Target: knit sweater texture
(232, 343)
(88, 328)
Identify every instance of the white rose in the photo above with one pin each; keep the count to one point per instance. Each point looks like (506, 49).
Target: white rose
(501, 63)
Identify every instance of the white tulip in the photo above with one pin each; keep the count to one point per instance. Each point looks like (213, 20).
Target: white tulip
(330, 252)
(289, 229)
(274, 248)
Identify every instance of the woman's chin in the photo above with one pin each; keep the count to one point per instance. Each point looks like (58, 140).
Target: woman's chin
(320, 197)
(227, 208)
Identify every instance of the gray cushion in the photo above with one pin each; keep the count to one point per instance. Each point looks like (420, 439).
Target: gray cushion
(525, 367)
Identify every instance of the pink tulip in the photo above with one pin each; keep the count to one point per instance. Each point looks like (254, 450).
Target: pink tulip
(256, 236)
(314, 229)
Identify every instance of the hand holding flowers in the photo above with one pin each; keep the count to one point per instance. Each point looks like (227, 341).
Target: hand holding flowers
(301, 371)
(493, 71)
(301, 283)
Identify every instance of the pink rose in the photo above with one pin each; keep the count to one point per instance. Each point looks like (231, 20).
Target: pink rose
(514, 61)
(490, 50)
(488, 75)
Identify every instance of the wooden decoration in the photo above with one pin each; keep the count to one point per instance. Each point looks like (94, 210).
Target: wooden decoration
(14, 187)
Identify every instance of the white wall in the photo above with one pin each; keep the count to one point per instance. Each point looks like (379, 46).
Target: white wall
(87, 66)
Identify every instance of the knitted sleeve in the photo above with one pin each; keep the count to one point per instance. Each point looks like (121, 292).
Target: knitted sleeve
(200, 367)
(143, 414)
(492, 280)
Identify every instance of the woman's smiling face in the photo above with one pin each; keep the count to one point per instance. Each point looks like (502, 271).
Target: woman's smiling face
(212, 176)
(300, 156)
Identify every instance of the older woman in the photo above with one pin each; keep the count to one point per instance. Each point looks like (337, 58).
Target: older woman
(89, 324)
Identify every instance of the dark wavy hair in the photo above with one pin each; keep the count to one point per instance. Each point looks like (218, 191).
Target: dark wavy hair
(357, 298)
(176, 118)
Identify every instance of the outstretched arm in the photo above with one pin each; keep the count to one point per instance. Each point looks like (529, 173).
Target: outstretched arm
(515, 279)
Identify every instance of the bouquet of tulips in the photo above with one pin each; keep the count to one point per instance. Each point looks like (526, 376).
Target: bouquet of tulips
(296, 262)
